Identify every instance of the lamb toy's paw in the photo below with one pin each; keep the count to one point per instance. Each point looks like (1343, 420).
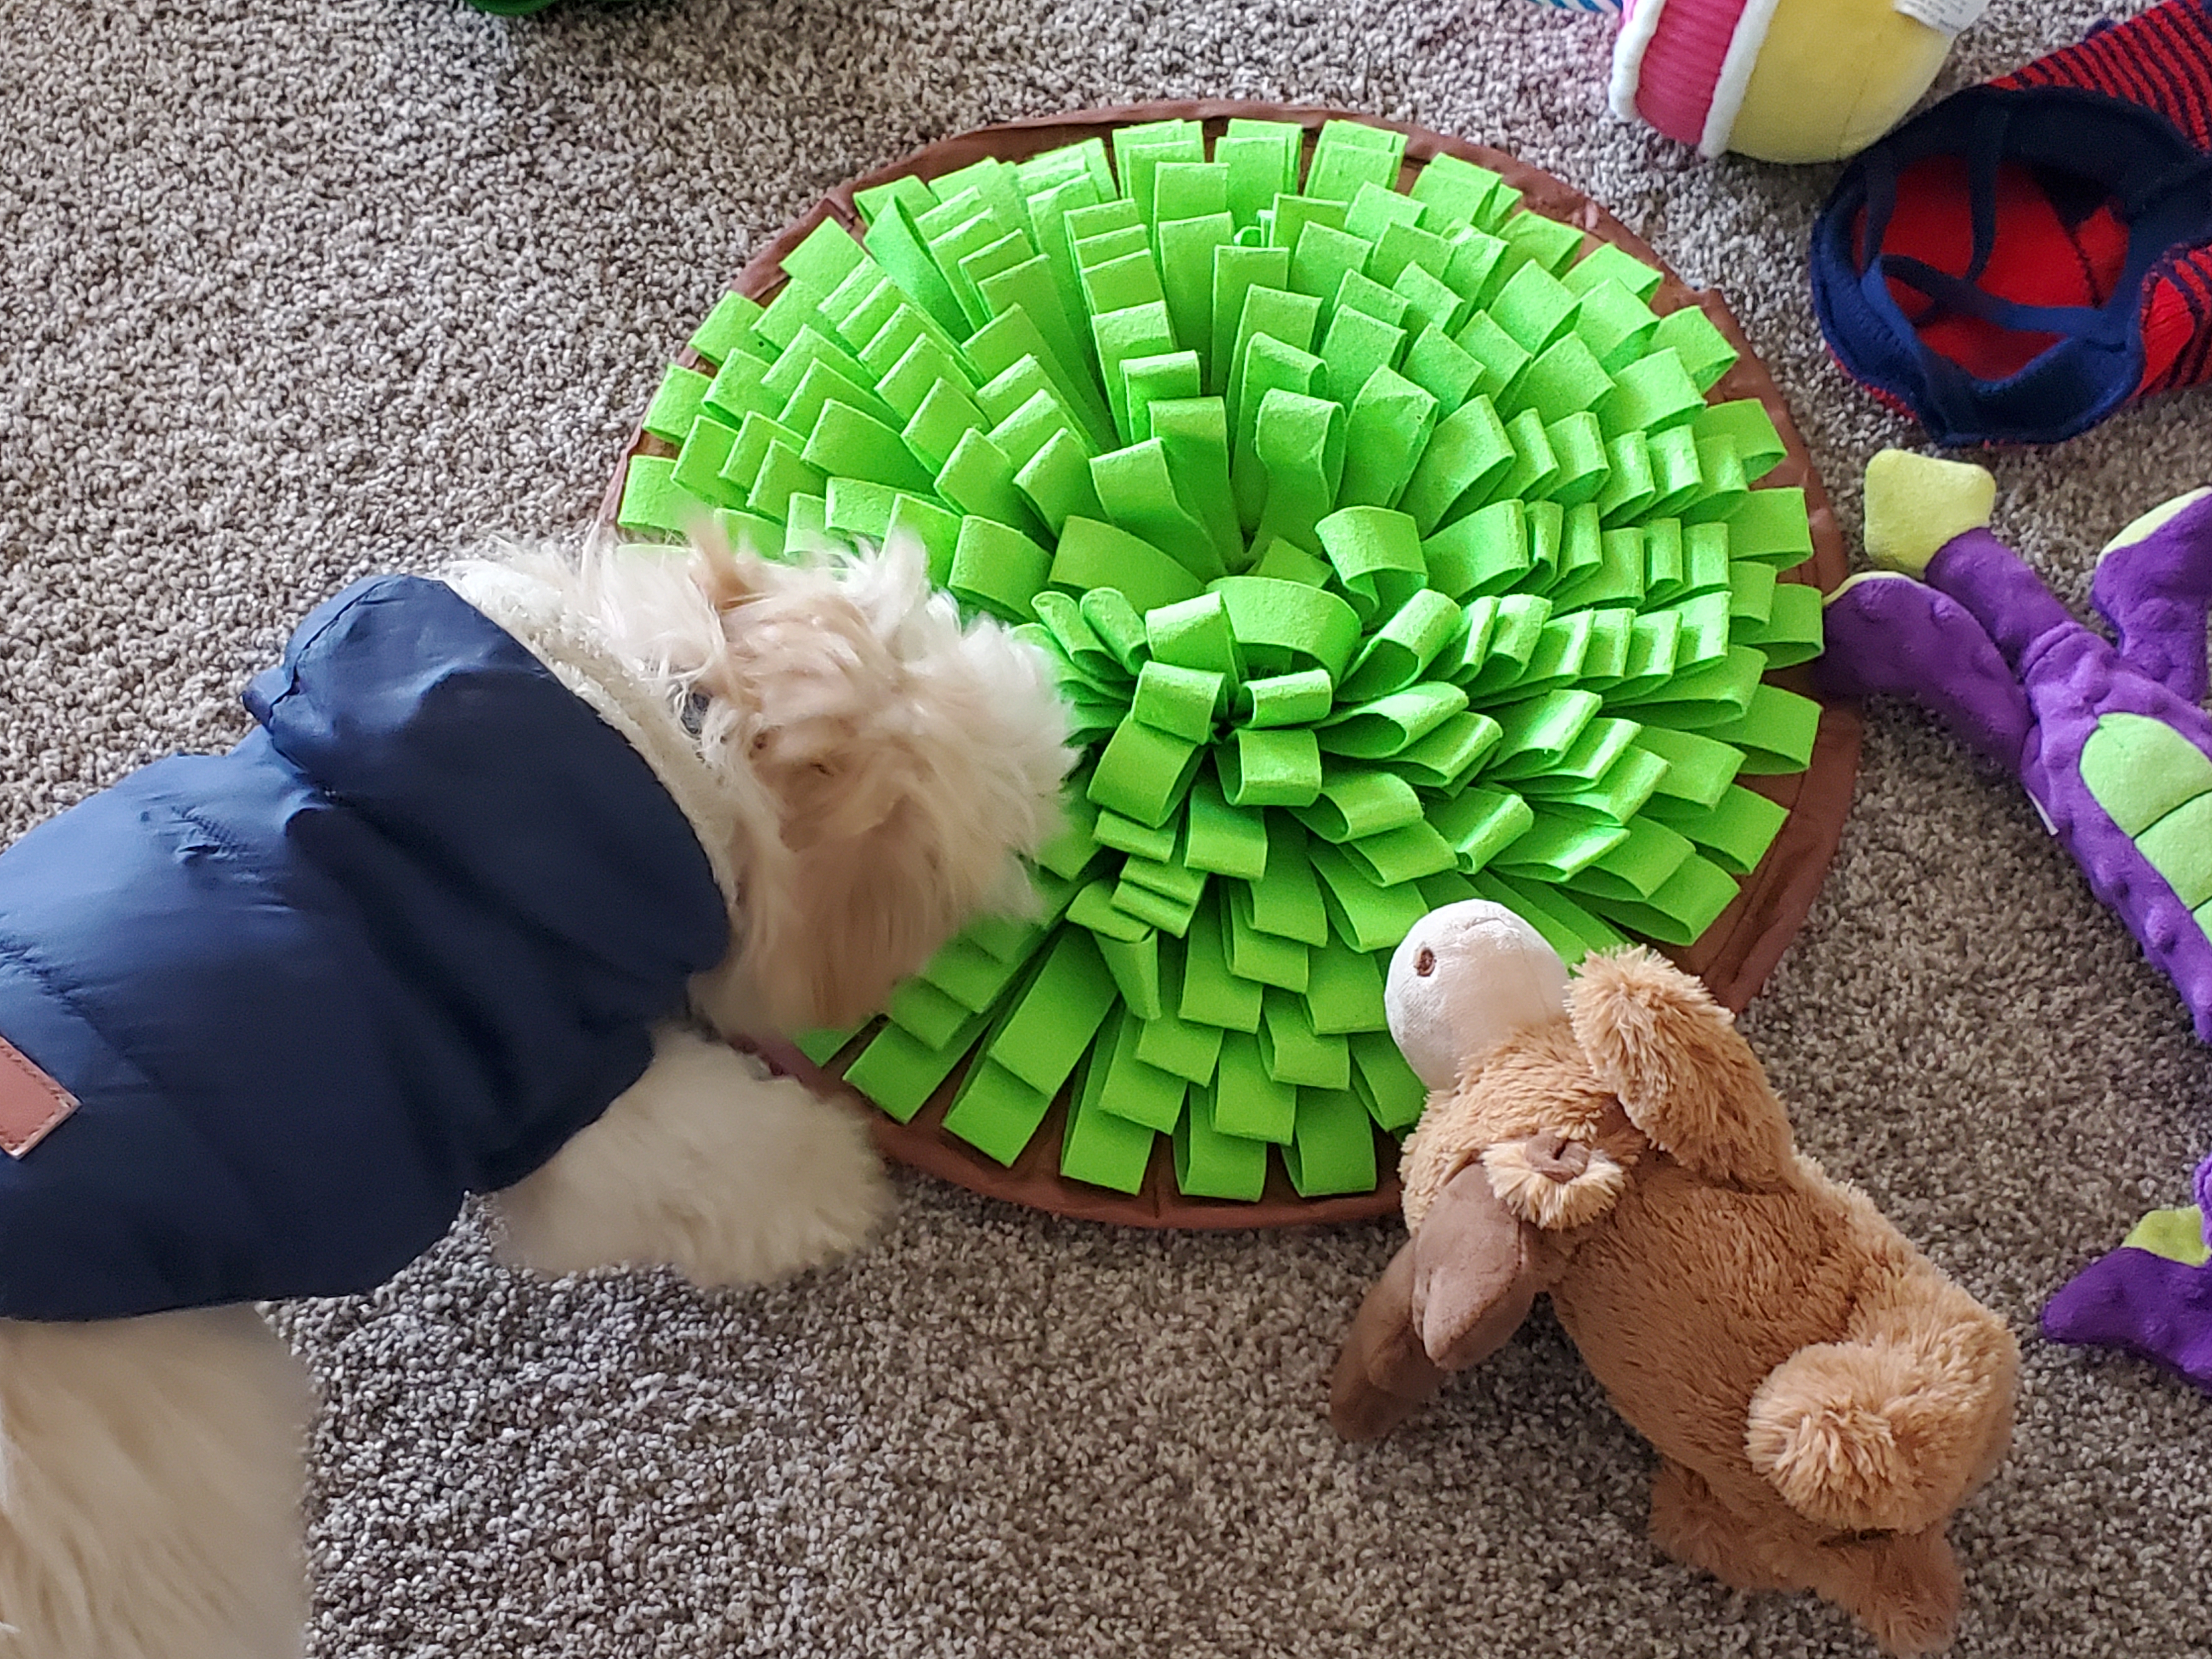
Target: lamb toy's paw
(1907, 1594)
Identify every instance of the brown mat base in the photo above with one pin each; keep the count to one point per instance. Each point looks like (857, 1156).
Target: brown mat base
(1733, 956)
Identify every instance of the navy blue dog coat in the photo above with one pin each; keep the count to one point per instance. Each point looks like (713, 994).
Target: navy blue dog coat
(398, 947)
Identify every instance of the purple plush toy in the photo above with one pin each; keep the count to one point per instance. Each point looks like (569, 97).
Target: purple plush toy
(2113, 747)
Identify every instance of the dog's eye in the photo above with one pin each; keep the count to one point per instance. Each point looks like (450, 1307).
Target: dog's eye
(760, 741)
(694, 713)
(1425, 963)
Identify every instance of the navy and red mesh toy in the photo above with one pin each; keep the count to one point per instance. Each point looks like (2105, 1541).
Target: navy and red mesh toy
(2031, 255)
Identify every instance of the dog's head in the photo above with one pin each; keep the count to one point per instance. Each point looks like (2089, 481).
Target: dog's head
(884, 769)
(911, 762)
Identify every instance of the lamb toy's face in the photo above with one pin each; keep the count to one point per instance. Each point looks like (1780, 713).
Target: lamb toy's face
(1520, 1144)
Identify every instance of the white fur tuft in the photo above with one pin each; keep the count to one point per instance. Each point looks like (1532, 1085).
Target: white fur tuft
(915, 762)
(150, 1484)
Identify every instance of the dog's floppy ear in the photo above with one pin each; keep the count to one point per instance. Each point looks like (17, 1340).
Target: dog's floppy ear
(913, 763)
(1672, 1056)
(862, 907)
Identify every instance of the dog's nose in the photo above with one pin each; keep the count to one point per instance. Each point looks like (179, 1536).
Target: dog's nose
(1554, 1157)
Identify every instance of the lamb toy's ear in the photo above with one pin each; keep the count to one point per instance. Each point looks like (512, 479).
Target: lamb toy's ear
(1655, 1036)
(1468, 976)
(1454, 1293)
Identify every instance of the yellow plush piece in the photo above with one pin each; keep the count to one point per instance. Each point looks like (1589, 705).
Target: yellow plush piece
(2138, 528)
(2178, 1235)
(1831, 77)
(1916, 503)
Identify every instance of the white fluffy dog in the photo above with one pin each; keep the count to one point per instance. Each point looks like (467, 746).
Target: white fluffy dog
(542, 1017)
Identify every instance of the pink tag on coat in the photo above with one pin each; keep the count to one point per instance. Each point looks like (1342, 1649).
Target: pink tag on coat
(31, 1102)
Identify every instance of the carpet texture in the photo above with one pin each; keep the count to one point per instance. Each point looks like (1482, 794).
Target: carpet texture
(297, 291)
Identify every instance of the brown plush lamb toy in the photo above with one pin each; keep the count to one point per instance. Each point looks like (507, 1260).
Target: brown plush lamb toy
(1821, 1397)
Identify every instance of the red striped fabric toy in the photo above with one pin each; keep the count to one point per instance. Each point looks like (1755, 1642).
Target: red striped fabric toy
(2032, 255)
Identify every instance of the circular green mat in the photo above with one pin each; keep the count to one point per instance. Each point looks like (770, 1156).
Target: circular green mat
(1401, 532)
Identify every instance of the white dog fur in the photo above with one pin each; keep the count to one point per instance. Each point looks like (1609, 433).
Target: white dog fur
(863, 771)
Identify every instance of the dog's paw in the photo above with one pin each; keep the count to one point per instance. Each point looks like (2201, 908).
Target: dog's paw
(818, 1188)
(706, 1164)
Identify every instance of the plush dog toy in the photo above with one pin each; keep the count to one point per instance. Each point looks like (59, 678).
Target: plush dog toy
(470, 911)
(1821, 1396)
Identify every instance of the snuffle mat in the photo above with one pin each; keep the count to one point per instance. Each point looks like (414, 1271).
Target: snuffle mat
(1401, 532)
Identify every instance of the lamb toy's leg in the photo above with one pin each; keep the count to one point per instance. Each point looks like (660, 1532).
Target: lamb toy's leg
(151, 1474)
(1692, 1524)
(1903, 1587)
(707, 1164)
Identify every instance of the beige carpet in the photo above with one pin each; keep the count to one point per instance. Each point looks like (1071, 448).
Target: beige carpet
(295, 290)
